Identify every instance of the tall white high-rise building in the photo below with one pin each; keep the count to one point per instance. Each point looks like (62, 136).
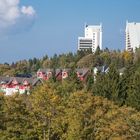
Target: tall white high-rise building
(92, 38)
(132, 36)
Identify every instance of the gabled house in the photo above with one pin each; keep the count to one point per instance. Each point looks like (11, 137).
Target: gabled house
(44, 74)
(100, 69)
(3, 83)
(49, 73)
(41, 73)
(59, 74)
(65, 73)
(82, 73)
(10, 85)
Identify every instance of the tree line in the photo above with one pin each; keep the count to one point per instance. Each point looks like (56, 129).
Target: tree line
(70, 60)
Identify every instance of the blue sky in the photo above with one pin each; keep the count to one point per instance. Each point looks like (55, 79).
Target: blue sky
(53, 26)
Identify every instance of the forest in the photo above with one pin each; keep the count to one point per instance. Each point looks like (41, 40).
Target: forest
(101, 109)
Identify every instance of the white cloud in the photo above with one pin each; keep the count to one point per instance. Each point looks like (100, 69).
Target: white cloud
(28, 10)
(11, 13)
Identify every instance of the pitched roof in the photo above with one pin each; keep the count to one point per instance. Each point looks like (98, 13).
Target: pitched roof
(24, 75)
(4, 79)
(57, 72)
(32, 81)
(66, 70)
(35, 81)
(83, 71)
(102, 68)
(45, 70)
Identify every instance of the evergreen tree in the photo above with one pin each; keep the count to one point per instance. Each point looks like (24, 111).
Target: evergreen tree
(112, 83)
(125, 83)
(97, 88)
(2, 113)
(107, 84)
(89, 82)
(133, 98)
(98, 51)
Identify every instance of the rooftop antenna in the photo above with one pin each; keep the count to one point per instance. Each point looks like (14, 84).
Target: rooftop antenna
(86, 25)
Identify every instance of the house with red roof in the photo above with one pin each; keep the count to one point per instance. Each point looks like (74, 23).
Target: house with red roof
(10, 85)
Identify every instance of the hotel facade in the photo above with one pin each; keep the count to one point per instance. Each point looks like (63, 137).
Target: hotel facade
(132, 36)
(92, 38)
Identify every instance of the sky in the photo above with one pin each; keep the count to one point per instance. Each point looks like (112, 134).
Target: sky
(34, 28)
